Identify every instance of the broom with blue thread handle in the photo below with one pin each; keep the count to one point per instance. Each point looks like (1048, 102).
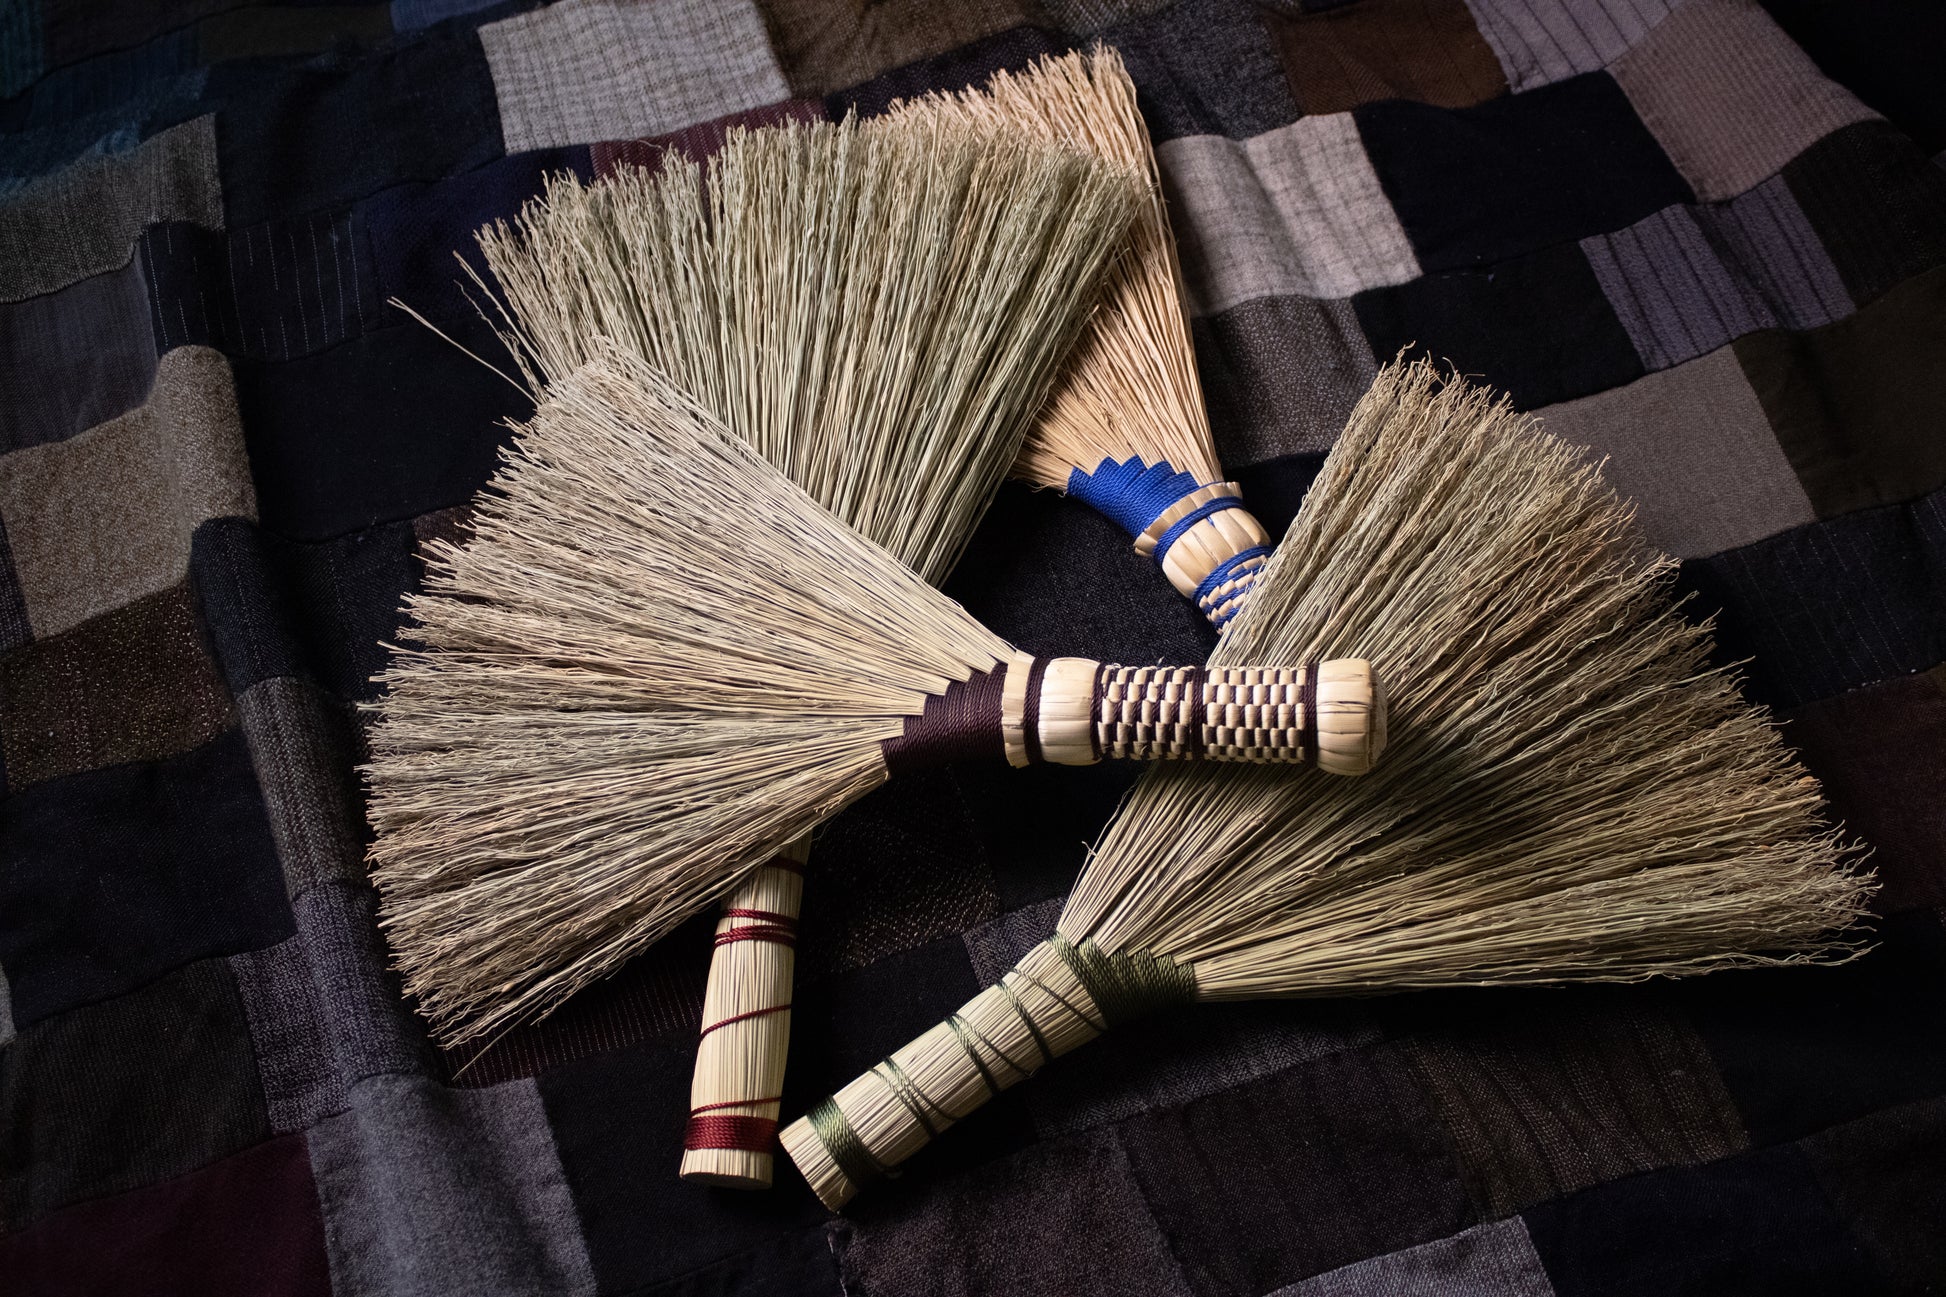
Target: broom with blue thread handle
(1126, 431)
(1572, 792)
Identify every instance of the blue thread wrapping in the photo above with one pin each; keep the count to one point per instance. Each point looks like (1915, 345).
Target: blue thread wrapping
(1224, 571)
(1132, 493)
(1135, 494)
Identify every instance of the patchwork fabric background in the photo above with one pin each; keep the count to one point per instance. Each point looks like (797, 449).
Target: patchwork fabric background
(1706, 239)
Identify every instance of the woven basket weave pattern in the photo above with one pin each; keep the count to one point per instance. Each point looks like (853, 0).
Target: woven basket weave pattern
(1220, 714)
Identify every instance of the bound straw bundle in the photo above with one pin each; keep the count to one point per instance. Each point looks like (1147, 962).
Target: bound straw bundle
(657, 660)
(1571, 794)
(1126, 430)
(879, 310)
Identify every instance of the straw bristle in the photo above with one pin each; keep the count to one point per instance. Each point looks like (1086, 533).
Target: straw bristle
(621, 702)
(1130, 387)
(879, 309)
(1571, 792)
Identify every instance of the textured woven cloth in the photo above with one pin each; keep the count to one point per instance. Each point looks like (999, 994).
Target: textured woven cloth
(1703, 238)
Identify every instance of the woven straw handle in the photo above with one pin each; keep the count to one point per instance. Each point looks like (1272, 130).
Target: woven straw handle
(739, 1077)
(1038, 1011)
(1330, 713)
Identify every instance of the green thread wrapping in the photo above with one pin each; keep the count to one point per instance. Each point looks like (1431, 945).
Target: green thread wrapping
(1124, 984)
(842, 1142)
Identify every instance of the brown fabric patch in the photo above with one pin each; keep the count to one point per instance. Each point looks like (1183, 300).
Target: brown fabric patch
(104, 518)
(131, 685)
(1544, 1099)
(824, 45)
(1857, 404)
(1426, 50)
(1729, 97)
(1880, 753)
(1692, 448)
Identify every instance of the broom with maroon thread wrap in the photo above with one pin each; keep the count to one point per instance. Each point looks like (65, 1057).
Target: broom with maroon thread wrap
(1571, 793)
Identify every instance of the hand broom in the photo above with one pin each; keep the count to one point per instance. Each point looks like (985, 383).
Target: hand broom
(878, 309)
(1572, 793)
(657, 660)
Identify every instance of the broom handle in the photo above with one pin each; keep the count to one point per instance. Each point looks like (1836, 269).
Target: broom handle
(1037, 1012)
(1210, 547)
(1330, 713)
(739, 1077)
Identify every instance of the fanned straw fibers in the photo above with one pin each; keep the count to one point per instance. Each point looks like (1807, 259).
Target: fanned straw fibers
(619, 701)
(1571, 792)
(1125, 430)
(1130, 388)
(879, 309)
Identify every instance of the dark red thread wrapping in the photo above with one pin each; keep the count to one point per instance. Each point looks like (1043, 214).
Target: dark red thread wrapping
(747, 1134)
(774, 934)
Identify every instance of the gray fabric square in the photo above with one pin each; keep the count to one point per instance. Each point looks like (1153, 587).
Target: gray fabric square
(585, 70)
(434, 1192)
(365, 1021)
(1770, 241)
(1540, 41)
(84, 219)
(1296, 210)
(1494, 1260)
(101, 519)
(301, 1084)
(1064, 1217)
(1280, 376)
(303, 748)
(1692, 448)
(1676, 298)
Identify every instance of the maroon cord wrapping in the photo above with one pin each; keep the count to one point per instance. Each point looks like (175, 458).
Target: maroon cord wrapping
(1308, 699)
(747, 1134)
(962, 723)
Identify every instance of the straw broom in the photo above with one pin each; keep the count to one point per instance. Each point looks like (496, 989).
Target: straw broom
(657, 660)
(879, 310)
(1126, 432)
(1571, 794)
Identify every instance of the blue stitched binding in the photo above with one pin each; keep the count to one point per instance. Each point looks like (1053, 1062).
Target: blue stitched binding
(1132, 493)
(1190, 519)
(1225, 571)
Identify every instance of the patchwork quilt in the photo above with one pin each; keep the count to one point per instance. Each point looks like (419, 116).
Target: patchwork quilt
(1704, 238)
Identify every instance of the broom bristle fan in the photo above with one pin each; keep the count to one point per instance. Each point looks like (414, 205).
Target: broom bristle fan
(879, 310)
(657, 661)
(1126, 430)
(1572, 792)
